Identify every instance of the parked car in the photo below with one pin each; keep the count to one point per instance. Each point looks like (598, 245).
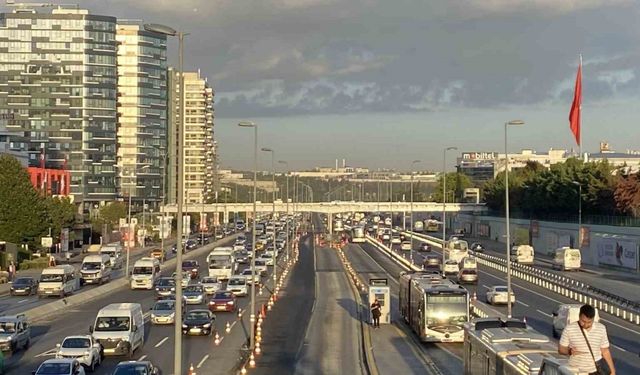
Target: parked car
(83, 348)
(199, 322)
(477, 247)
(194, 294)
(24, 286)
(60, 366)
(136, 368)
(425, 247)
(498, 295)
(15, 333)
(210, 284)
(223, 301)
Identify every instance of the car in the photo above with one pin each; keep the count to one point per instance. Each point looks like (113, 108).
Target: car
(191, 244)
(199, 322)
(165, 286)
(194, 294)
(241, 240)
(192, 267)
(60, 366)
(405, 245)
(468, 275)
(424, 247)
(247, 273)
(477, 247)
(497, 294)
(136, 368)
(267, 258)
(163, 312)
(15, 333)
(248, 247)
(223, 300)
(238, 285)
(157, 253)
(83, 348)
(186, 278)
(202, 239)
(260, 245)
(564, 314)
(24, 286)
(386, 235)
(219, 235)
(451, 267)
(242, 257)
(210, 284)
(432, 260)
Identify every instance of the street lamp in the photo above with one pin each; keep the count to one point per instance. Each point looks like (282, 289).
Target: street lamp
(287, 223)
(444, 202)
(249, 124)
(411, 209)
(579, 185)
(273, 210)
(506, 206)
(168, 31)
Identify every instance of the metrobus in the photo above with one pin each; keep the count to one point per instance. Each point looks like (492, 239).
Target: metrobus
(436, 309)
(221, 262)
(458, 250)
(432, 225)
(357, 234)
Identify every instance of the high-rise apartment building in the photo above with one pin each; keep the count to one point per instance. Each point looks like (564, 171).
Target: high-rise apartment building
(142, 112)
(199, 147)
(58, 94)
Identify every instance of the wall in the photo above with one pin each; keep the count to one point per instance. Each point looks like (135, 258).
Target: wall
(602, 245)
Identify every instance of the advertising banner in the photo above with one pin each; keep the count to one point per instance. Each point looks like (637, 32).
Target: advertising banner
(64, 240)
(616, 252)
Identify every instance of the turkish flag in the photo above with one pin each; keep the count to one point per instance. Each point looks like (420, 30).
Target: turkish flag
(574, 114)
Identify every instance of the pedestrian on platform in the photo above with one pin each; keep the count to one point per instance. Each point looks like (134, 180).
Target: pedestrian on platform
(375, 313)
(12, 271)
(587, 344)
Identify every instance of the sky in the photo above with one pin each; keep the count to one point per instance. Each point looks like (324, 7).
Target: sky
(382, 83)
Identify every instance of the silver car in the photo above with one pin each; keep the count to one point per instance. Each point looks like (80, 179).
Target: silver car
(194, 294)
(210, 284)
(83, 348)
(164, 312)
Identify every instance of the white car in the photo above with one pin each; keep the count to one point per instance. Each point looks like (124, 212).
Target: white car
(210, 284)
(405, 245)
(564, 315)
(60, 366)
(261, 267)
(267, 258)
(498, 295)
(238, 247)
(247, 273)
(395, 239)
(237, 284)
(451, 267)
(83, 348)
(186, 278)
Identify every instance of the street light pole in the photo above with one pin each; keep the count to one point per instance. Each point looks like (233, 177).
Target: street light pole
(248, 124)
(287, 223)
(273, 211)
(444, 202)
(411, 210)
(579, 213)
(506, 206)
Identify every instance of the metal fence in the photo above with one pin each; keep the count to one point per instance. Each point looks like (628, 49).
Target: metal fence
(613, 220)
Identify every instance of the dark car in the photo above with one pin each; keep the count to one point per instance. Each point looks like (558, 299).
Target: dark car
(191, 244)
(165, 286)
(199, 322)
(202, 239)
(223, 301)
(136, 368)
(477, 247)
(242, 257)
(24, 286)
(192, 267)
(425, 247)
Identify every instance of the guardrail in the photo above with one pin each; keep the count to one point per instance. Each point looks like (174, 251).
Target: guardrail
(565, 286)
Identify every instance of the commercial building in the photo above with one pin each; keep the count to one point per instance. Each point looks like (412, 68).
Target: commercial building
(199, 148)
(58, 95)
(142, 112)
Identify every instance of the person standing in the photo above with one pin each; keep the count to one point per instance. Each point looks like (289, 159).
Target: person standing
(375, 313)
(587, 344)
(12, 271)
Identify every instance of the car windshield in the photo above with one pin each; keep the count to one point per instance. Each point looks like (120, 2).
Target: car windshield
(209, 280)
(166, 282)
(247, 272)
(51, 278)
(132, 369)
(189, 264)
(22, 281)
(7, 327)
(197, 315)
(502, 289)
(143, 270)
(91, 266)
(117, 323)
(237, 281)
(76, 342)
(260, 262)
(223, 295)
(193, 289)
(54, 369)
(164, 305)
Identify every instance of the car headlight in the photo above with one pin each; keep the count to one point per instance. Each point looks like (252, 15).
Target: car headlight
(208, 325)
(194, 270)
(230, 303)
(87, 353)
(153, 316)
(172, 315)
(58, 355)
(185, 326)
(157, 289)
(173, 289)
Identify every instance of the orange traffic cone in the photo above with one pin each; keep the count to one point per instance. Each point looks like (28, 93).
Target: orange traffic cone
(191, 370)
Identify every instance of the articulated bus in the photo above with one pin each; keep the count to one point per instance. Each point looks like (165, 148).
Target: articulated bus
(432, 225)
(457, 250)
(357, 234)
(435, 308)
(494, 346)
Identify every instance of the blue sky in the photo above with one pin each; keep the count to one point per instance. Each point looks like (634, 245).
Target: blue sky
(382, 83)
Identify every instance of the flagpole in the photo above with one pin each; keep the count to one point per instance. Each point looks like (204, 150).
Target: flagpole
(580, 143)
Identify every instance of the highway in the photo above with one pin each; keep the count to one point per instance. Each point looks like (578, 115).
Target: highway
(201, 352)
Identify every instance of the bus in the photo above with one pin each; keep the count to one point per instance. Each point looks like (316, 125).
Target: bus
(436, 309)
(418, 226)
(221, 263)
(432, 225)
(458, 250)
(358, 234)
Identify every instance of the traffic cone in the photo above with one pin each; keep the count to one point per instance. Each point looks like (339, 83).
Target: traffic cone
(191, 370)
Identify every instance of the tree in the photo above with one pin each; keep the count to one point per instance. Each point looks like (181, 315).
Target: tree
(627, 194)
(456, 183)
(21, 209)
(60, 213)
(110, 215)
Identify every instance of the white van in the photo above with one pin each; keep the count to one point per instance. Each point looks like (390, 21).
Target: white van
(566, 314)
(96, 269)
(522, 254)
(119, 328)
(145, 273)
(114, 251)
(469, 263)
(567, 259)
(59, 280)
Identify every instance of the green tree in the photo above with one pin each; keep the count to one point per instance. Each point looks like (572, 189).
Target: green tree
(110, 215)
(60, 213)
(21, 209)
(456, 183)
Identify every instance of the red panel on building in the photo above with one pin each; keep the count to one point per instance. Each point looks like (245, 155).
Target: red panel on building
(50, 181)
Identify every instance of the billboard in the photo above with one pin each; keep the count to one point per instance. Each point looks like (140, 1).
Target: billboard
(617, 252)
(479, 155)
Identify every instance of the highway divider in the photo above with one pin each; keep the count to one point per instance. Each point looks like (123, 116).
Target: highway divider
(563, 285)
(56, 307)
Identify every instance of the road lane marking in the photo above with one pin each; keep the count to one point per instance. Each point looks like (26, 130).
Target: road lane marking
(162, 341)
(23, 300)
(202, 361)
(484, 286)
(619, 348)
(522, 303)
(147, 315)
(142, 358)
(47, 353)
(543, 313)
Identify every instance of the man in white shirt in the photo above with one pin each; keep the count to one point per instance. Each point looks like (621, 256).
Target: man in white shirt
(574, 343)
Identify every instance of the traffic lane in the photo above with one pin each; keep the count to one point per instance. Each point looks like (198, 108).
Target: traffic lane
(332, 340)
(47, 333)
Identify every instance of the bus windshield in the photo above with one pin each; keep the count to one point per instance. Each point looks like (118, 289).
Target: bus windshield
(143, 270)
(447, 308)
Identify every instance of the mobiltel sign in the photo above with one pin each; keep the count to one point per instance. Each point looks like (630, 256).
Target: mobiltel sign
(479, 155)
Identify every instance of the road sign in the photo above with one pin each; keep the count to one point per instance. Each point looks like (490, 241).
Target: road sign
(46, 241)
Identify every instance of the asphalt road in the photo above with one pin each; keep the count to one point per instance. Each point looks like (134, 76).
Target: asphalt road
(201, 352)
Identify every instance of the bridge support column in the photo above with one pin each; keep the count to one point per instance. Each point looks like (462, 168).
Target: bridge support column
(225, 216)
(330, 223)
